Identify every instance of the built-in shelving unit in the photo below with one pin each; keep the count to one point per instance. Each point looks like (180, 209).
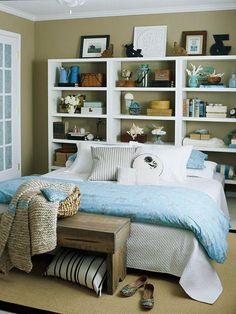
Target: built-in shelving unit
(116, 120)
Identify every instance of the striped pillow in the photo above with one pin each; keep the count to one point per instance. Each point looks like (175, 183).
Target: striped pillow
(85, 270)
(107, 160)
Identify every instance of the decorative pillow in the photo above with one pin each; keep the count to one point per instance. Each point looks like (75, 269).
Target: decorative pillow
(126, 176)
(86, 270)
(70, 160)
(53, 195)
(174, 161)
(107, 160)
(226, 170)
(84, 162)
(196, 159)
(148, 161)
(132, 176)
(207, 172)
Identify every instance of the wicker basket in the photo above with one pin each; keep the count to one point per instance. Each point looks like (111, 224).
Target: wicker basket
(92, 79)
(70, 205)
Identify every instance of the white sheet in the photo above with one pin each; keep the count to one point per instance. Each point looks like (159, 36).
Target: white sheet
(184, 257)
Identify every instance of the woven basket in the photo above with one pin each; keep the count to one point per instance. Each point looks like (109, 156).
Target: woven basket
(92, 79)
(70, 205)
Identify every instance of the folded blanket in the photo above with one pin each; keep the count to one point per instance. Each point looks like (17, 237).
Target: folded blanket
(213, 142)
(29, 225)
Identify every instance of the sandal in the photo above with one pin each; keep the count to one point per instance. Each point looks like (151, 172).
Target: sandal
(130, 289)
(147, 300)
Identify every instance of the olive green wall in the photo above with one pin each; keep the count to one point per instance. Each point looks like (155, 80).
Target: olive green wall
(25, 28)
(61, 39)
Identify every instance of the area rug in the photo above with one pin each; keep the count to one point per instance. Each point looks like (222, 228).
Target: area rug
(44, 295)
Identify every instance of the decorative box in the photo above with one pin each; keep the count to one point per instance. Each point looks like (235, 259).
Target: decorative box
(62, 154)
(125, 83)
(60, 129)
(162, 75)
(141, 138)
(93, 104)
(90, 110)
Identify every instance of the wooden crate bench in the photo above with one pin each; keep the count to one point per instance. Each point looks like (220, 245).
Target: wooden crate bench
(98, 233)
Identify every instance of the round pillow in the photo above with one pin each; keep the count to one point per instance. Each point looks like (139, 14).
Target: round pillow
(148, 161)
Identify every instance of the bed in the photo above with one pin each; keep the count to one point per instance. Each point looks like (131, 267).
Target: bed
(161, 248)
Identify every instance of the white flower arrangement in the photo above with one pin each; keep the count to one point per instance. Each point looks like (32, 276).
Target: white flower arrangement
(70, 101)
(135, 131)
(195, 71)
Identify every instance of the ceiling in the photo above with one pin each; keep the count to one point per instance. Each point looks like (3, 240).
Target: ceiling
(51, 10)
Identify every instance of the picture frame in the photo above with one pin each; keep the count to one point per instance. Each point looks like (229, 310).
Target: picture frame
(194, 42)
(151, 39)
(92, 46)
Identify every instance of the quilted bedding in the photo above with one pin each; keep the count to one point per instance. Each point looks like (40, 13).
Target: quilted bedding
(162, 205)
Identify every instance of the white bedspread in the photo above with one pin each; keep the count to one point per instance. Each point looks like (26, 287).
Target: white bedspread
(171, 250)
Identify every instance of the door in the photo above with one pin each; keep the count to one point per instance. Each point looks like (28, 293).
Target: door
(10, 139)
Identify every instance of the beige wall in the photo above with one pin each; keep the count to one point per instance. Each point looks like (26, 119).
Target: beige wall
(26, 29)
(61, 39)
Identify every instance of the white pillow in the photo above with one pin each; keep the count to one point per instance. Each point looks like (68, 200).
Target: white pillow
(126, 176)
(84, 162)
(174, 161)
(207, 172)
(133, 176)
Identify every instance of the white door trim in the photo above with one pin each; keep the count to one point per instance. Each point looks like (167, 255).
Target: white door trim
(16, 65)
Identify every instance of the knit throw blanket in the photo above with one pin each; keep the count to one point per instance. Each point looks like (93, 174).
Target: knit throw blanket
(29, 225)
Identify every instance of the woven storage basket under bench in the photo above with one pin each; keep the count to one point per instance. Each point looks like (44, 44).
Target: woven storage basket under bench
(98, 233)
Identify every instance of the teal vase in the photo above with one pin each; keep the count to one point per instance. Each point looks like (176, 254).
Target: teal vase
(193, 81)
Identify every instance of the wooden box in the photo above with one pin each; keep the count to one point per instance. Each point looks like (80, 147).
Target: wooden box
(60, 129)
(125, 83)
(195, 136)
(141, 138)
(162, 75)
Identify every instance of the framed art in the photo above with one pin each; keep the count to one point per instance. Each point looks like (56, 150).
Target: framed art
(194, 42)
(151, 39)
(93, 46)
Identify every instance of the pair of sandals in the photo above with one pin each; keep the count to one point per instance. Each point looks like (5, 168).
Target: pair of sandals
(147, 300)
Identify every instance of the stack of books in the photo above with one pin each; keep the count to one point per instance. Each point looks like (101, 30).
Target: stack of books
(194, 107)
(216, 111)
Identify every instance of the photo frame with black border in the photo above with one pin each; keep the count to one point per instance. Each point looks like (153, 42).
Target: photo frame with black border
(194, 42)
(92, 46)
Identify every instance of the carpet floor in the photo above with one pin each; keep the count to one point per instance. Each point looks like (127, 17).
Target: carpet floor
(49, 294)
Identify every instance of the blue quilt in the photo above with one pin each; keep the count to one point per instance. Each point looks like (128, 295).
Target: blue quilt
(171, 206)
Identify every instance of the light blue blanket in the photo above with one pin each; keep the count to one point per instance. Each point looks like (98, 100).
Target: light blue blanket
(162, 205)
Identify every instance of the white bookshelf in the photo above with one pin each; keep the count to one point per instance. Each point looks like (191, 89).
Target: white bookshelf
(116, 120)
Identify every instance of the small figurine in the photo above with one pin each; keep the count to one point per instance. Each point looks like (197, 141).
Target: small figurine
(131, 52)
(126, 74)
(108, 53)
(179, 51)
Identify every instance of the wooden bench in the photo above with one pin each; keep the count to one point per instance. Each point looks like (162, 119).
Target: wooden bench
(98, 233)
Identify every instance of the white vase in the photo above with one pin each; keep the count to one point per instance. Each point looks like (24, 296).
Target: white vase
(71, 110)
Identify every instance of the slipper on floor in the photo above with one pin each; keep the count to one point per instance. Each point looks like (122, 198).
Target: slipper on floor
(130, 289)
(147, 300)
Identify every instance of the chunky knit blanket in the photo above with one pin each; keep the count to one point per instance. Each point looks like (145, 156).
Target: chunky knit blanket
(29, 225)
